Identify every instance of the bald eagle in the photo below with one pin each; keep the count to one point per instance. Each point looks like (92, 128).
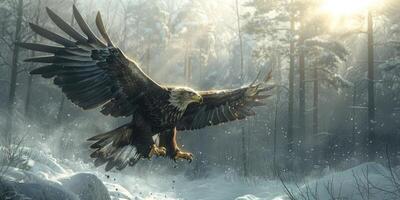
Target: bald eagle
(93, 73)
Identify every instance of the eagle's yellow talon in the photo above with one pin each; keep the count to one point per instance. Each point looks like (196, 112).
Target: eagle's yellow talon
(183, 155)
(157, 151)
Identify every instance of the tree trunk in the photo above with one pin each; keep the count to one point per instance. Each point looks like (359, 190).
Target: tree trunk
(188, 66)
(185, 65)
(315, 103)
(278, 98)
(14, 72)
(353, 115)
(302, 88)
(244, 153)
(240, 43)
(190, 70)
(291, 94)
(28, 94)
(30, 77)
(371, 143)
(244, 149)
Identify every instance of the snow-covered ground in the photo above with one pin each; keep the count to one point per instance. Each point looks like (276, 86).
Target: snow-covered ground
(77, 180)
(366, 181)
(41, 176)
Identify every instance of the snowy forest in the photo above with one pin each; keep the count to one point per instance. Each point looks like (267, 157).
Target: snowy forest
(329, 131)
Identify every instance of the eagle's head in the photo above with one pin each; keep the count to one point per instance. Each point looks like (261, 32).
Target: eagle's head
(181, 97)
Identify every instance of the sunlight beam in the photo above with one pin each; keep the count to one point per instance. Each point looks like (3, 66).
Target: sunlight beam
(341, 8)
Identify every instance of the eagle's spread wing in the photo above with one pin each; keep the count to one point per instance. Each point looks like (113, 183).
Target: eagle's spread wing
(90, 72)
(224, 105)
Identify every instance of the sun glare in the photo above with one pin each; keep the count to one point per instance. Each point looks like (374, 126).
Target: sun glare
(347, 7)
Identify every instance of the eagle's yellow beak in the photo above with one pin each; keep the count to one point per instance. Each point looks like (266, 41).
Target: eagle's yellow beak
(197, 98)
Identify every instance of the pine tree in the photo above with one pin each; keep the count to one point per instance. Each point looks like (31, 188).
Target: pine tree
(14, 70)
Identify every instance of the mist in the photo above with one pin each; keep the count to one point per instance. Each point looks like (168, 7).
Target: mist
(329, 130)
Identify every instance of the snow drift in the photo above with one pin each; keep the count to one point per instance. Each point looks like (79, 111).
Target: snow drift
(41, 176)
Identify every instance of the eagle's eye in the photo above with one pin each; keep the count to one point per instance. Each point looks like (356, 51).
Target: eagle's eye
(194, 97)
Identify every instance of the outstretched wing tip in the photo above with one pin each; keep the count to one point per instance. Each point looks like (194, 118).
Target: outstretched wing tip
(34, 72)
(80, 71)
(102, 29)
(99, 19)
(48, 10)
(225, 105)
(74, 8)
(31, 25)
(27, 60)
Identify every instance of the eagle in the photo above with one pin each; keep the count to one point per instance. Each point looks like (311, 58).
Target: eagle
(93, 73)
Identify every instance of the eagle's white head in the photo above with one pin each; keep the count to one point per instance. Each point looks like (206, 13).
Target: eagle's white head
(181, 97)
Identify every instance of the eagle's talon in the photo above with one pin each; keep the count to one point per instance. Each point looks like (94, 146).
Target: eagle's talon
(157, 151)
(183, 155)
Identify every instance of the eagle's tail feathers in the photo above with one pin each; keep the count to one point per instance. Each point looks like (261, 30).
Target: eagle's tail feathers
(120, 158)
(115, 149)
(99, 162)
(125, 158)
(101, 143)
(107, 134)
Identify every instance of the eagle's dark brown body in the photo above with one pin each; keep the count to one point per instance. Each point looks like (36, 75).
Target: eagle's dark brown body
(93, 73)
(159, 113)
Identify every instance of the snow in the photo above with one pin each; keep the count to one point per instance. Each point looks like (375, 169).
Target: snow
(78, 180)
(31, 190)
(43, 176)
(81, 183)
(366, 181)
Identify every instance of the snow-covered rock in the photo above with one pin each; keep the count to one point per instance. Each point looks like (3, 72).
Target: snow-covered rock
(86, 186)
(18, 184)
(38, 175)
(116, 191)
(80, 186)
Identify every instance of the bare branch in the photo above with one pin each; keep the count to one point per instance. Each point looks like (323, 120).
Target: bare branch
(22, 70)
(358, 181)
(6, 42)
(4, 60)
(26, 37)
(288, 192)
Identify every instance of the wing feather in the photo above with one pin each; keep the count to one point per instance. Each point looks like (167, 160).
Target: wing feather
(51, 36)
(64, 26)
(41, 47)
(223, 106)
(92, 38)
(89, 72)
(102, 30)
